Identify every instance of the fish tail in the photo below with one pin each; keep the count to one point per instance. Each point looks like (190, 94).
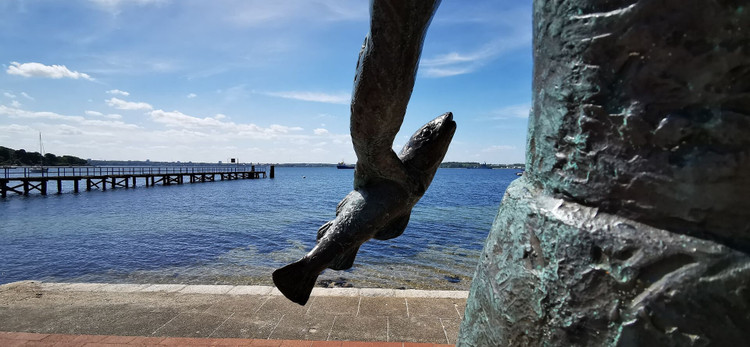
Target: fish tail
(296, 281)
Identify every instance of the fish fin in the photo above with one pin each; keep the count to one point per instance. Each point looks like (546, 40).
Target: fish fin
(323, 229)
(344, 260)
(295, 281)
(394, 229)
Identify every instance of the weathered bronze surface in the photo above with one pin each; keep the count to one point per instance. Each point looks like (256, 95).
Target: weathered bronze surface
(631, 225)
(386, 185)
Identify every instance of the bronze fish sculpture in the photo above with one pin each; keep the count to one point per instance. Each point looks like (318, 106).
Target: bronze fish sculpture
(377, 209)
(386, 185)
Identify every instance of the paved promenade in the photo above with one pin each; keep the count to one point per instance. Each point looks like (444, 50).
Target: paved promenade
(97, 314)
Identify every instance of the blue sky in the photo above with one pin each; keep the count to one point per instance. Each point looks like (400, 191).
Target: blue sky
(258, 80)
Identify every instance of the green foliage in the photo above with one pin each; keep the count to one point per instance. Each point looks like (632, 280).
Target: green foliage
(9, 156)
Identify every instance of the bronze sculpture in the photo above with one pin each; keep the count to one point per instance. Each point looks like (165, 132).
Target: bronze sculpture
(386, 185)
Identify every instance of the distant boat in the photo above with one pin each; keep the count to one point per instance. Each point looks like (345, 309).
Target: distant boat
(342, 165)
(40, 168)
(519, 173)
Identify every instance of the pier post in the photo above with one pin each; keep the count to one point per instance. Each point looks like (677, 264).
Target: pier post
(104, 184)
(3, 188)
(88, 184)
(25, 187)
(113, 183)
(271, 174)
(59, 186)
(75, 186)
(43, 187)
(133, 181)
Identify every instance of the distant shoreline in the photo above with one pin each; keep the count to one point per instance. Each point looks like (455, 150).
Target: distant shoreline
(444, 165)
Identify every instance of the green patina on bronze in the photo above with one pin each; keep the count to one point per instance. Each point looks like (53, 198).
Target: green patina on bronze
(631, 225)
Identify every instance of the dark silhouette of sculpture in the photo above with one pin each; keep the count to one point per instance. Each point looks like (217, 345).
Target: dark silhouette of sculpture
(631, 225)
(386, 186)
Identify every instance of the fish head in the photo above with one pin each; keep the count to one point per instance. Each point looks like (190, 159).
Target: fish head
(426, 148)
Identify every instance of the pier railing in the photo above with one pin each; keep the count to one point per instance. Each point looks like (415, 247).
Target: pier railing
(83, 171)
(22, 180)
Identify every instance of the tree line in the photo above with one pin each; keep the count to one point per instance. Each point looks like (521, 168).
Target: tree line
(10, 156)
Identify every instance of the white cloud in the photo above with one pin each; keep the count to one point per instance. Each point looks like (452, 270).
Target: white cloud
(41, 70)
(13, 112)
(512, 111)
(320, 131)
(177, 119)
(455, 63)
(339, 98)
(127, 105)
(27, 96)
(15, 128)
(15, 103)
(191, 95)
(220, 116)
(118, 92)
(9, 95)
(99, 114)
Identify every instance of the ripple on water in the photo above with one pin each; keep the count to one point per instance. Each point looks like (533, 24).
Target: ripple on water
(238, 232)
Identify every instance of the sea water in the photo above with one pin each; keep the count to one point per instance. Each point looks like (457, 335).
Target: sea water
(238, 232)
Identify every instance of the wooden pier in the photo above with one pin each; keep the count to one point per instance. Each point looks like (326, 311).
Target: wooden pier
(23, 180)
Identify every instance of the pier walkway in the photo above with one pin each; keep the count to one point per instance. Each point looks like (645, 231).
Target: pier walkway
(98, 314)
(25, 179)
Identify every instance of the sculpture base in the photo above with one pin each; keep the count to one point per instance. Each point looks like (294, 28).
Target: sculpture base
(554, 272)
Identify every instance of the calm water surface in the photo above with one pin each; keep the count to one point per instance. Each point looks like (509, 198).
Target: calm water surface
(238, 232)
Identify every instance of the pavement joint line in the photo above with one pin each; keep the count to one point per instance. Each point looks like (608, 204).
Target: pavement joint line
(447, 340)
(261, 305)
(222, 324)
(165, 324)
(331, 329)
(388, 330)
(276, 326)
(307, 312)
(407, 306)
(455, 307)
(359, 304)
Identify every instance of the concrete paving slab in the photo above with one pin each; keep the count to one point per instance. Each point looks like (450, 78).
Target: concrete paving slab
(250, 290)
(354, 292)
(247, 326)
(121, 288)
(377, 292)
(416, 329)
(276, 304)
(433, 307)
(82, 287)
(52, 286)
(168, 310)
(206, 289)
(451, 327)
(190, 324)
(306, 327)
(328, 305)
(382, 306)
(164, 288)
(446, 294)
(360, 328)
(237, 304)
